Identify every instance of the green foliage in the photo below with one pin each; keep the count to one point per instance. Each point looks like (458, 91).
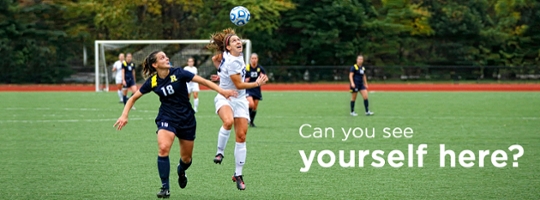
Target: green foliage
(390, 33)
(320, 32)
(34, 43)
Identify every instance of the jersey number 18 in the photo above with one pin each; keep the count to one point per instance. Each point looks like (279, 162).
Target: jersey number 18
(167, 90)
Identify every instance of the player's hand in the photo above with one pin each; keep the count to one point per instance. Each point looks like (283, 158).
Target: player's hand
(120, 123)
(366, 86)
(261, 80)
(353, 85)
(124, 82)
(214, 77)
(229, 93)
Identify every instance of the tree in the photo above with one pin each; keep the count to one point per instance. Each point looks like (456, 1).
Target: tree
(34, 43)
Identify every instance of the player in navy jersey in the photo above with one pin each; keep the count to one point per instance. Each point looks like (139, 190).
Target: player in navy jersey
(176, 117)
(128, 69)
(358, 83)
(233, 111)
(254, 95)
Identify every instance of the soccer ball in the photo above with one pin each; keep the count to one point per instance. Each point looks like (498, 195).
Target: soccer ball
(240, 15)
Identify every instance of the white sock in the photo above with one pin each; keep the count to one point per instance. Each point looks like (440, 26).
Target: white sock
(240, 157)
(196, 102)
(223, 137)
(120, 95)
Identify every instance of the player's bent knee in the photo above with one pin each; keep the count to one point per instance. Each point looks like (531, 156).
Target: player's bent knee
(186, 159)
(241, 138)
(228, 123)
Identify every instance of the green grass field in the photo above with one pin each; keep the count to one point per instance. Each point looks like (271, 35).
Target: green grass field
(61, 145)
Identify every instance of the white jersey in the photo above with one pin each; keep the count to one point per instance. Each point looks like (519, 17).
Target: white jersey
(191, 69)
(192, 86)
(231, 65)
(118, 73)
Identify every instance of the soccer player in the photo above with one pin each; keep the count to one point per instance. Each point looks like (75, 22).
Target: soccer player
(193, 87)
(232, 72)
(128, 70)
(118, 76)
(254, 95)
(358, 82)
(175, 118)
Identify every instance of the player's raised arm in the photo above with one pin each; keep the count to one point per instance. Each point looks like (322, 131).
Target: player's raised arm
(213, 86)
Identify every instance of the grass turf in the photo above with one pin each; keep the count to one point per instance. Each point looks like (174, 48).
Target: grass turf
(61, 145)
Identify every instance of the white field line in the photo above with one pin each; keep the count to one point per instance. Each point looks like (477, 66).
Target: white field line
(322, 116)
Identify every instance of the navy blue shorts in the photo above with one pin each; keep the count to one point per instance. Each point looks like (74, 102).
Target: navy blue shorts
(357, 88)
(129, 83)
(180, 132)
(255, 94)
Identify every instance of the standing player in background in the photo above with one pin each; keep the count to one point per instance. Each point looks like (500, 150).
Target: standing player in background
(193, 87)
(128, 70)
(232, 72)
(118, 75)
(358, 81)
(175, 117)
(254, 95)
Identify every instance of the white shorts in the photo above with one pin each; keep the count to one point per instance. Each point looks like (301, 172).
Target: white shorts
(192, 87)
(118, 80)
(239, 105)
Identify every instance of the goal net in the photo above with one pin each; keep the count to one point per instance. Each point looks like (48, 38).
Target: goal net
(178, 51)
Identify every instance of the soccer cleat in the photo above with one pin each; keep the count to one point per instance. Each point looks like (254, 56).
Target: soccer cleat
(219, 157)
(182, 180)
(252, 125)
(369, 113)
(354, 114)
(164, 193)
(239, 181)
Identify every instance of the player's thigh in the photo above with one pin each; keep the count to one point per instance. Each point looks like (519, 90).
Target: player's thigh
(225, 110)
(240, 108)
(165, 139)
(250, 101)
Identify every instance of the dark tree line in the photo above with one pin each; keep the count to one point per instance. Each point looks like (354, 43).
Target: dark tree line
(40, 40)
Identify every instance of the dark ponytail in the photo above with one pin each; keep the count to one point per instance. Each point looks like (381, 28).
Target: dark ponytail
(148, 69)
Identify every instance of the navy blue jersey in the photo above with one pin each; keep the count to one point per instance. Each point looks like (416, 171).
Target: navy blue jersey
(253, 73)
(358, 74)
(128, 70)
(173, 95)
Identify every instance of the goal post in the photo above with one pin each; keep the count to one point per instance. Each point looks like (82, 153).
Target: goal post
(103, 65)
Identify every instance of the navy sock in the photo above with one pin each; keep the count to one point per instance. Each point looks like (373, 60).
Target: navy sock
(251, 115)
(352, 106)
(254, 114)
(164, 168)
(124, 98)
(182, 167)
(366, 105)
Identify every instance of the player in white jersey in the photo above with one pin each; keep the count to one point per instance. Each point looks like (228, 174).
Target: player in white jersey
(193, 87)
(233, 110)
(118, 76)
